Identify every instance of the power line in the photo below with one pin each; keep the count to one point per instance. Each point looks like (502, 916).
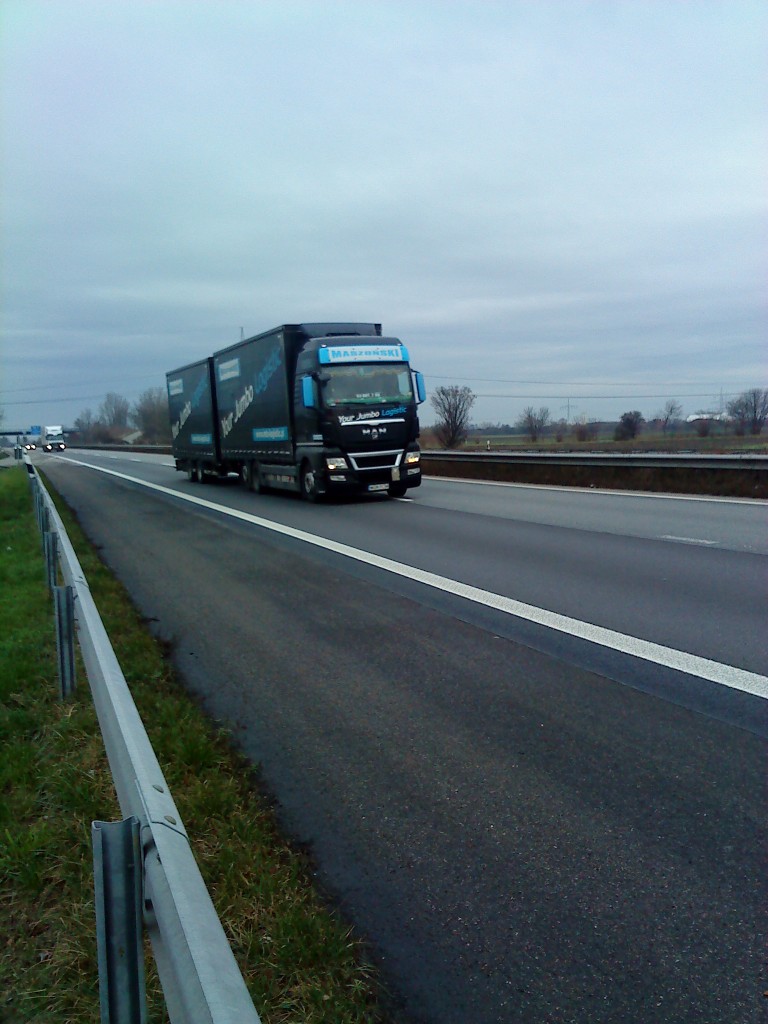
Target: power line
(517, 397)
(716, 387)
(580, 383)
(589, 398)
(40, 401)
(40, 389)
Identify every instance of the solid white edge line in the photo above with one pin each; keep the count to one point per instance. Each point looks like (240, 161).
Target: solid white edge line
(607, 491)
(691, 664)
(688, 540)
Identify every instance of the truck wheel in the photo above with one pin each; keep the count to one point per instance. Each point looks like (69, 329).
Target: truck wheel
(202, 476)
(397, 490)
(192, 472)
(309, 490)
(250, 477)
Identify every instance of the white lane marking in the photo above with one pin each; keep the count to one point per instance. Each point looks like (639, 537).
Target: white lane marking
(614, 492)
(687, 540)
(682, 661)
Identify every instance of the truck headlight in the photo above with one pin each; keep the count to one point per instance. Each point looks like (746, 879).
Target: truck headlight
(336, 462)
(412, 457)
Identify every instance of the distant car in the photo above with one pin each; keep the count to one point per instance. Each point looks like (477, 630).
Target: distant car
(54, 446)
(30, 446)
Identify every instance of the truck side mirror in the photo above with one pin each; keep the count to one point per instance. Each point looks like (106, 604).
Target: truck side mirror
(421, 390)
(308, 393)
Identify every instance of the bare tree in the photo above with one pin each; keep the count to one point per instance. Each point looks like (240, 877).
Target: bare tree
(452, 405)
(532, 422)
(113, 411)
(749, 411)
(629, 426)
(584, 429)
(84, 425)
(670, 415)
(150, 415)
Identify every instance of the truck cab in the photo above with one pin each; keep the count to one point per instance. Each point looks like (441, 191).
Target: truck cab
(53, 439)
(355, 415)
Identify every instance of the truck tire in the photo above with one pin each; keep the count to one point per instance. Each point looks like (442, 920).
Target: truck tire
(309, 491)
(192, 474)
(251, 479)
(397, 490)
(202, 476)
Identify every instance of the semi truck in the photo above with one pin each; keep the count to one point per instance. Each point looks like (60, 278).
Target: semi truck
(53, 438)
(322, 409)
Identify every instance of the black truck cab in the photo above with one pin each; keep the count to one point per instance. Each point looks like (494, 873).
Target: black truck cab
(355, 409)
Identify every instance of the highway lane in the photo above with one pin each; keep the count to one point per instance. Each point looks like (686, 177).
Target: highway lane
(685, 573)
(538, 841)
(735, 524)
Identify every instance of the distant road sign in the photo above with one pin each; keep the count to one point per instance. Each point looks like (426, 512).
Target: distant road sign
(35, 431)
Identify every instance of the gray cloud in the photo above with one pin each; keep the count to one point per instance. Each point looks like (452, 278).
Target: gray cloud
(549, 192)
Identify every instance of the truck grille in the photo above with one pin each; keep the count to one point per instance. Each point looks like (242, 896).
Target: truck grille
(375, 460)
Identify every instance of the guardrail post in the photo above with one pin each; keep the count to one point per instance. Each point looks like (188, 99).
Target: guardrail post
(41, 511)
(36, 497)
(51, 548)
(117, 867)
(64, 605)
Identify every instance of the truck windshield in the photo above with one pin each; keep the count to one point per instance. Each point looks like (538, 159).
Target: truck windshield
(367, 384)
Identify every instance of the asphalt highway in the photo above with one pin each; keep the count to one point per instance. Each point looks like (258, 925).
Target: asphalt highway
(522, 730)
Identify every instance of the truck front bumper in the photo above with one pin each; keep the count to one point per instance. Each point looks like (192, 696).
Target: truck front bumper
(371, 481)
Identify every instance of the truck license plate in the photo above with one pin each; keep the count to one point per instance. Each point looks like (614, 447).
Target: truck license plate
(378, 487)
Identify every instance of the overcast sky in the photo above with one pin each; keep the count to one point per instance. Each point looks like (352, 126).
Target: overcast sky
(556, 202)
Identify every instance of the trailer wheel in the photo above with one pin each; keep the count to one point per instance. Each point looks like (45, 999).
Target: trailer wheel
(202, 476)
(308, 483)
(192, 475)
(246, 475)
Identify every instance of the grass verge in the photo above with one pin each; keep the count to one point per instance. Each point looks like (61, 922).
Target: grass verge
(300, 961)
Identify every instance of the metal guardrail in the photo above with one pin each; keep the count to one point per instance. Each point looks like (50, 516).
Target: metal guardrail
(734, 475)
(639, 460)
(146, 875)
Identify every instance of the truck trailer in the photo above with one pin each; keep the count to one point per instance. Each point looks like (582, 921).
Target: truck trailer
(323, 409)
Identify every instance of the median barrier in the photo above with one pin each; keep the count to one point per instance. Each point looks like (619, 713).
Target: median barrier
(735, 476)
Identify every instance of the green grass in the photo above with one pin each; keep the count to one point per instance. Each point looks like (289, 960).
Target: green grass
(300, 961)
